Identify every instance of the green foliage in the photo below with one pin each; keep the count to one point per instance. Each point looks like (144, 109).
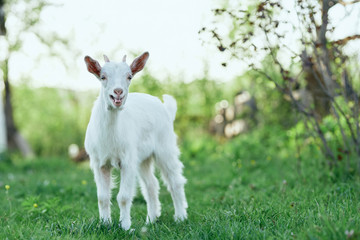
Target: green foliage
(51, 119)
(336, 134)
(196, 100)
(273, 108)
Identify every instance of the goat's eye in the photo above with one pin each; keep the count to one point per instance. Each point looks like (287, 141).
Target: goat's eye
(129, 77)
(103, 77)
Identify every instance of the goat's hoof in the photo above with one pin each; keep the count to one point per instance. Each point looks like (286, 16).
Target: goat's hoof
(105, 221)
(151, 220)
(180, 218)
(125, 225)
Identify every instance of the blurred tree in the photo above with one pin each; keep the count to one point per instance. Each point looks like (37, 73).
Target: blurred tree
(2, 19)
(316, 62)
(3, 142)
(25, 20)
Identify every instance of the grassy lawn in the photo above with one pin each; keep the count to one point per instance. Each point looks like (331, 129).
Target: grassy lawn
(252, 187)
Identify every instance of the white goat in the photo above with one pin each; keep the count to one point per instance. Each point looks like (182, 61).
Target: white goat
(130, 137)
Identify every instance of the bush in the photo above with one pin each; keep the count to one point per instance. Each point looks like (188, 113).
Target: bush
(51, 119)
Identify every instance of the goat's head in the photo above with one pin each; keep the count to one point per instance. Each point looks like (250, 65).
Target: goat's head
(115, 78)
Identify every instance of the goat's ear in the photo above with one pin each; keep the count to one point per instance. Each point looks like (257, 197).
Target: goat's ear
(106, 58)
(138, 64)
(93, 66)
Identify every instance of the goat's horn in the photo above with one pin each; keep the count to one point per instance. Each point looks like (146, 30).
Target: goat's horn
(106, 58)
(124, 58)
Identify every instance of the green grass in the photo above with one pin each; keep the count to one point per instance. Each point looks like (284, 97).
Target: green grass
(252, 187)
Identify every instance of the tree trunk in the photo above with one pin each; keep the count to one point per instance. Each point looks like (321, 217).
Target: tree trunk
(316, 86)
(3, 140)
(2, 19)
(14, 139)
(318, 74)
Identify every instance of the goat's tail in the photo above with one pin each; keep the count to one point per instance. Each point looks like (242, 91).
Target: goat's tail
(170, 105)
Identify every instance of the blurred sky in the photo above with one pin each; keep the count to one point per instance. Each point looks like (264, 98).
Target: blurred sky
(167, 29)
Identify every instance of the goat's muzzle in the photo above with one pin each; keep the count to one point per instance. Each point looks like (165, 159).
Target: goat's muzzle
(117, 101)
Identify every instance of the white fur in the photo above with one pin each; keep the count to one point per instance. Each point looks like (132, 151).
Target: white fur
(131, 138)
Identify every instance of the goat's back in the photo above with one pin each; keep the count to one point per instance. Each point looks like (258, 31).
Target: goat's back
(147, 109)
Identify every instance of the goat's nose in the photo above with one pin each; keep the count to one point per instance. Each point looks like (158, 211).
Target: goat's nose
(118, 91)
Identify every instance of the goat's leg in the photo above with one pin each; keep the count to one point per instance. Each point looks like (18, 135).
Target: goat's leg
(103, 184)
(150, 190)
(126, 194)
(171, 170)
